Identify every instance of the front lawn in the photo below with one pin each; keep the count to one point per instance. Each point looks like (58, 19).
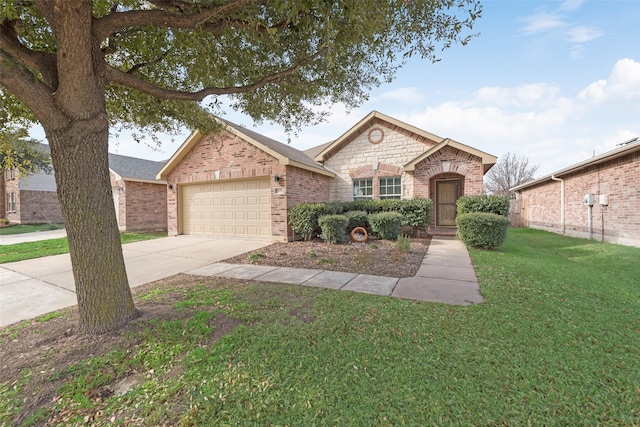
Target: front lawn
(29, 250)
(556, 342)
(28, 228)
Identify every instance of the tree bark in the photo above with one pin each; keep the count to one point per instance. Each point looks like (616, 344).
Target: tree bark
(80, 158)
(79, 139)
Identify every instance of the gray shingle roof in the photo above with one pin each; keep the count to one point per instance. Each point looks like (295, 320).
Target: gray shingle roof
(284, 149)
(127, 167)
(132, 167)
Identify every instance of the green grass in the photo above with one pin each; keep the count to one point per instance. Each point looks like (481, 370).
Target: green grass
(29, 250)
(556, 342)
(28, 228)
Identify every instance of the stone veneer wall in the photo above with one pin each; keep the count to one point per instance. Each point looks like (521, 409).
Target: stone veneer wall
(618, 178)
(386, 158)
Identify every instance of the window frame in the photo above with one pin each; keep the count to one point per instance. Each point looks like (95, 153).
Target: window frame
(395, 186)
(11, 202)
(357, 184)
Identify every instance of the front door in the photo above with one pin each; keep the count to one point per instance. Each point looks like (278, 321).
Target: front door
(447, 192)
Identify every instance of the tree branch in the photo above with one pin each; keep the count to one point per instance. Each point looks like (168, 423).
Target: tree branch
(122, 78)
(183, 16)
(42, 62)
(35, 95)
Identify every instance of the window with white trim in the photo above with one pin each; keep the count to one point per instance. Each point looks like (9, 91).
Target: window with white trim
(362, 189)
(11, 202)
(390, 188)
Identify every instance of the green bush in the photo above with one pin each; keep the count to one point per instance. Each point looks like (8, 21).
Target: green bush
(355, 219)
(303, 218)
(386, 224)
(333, 228)
(482, 230)
(416, 212)
(498, 205)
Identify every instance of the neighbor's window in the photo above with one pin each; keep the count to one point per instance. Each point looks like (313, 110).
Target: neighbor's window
(390, 188)
(11, 202)
(10, 173)
(362, 189)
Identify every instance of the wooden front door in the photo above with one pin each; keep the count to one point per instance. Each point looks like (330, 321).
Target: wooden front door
(447, 192)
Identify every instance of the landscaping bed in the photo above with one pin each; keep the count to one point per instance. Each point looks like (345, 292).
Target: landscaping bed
(376, 257)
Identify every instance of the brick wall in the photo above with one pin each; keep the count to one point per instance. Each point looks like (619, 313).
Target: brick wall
(227, 156)
(145, 206)
(12, 185)
(619, 178)
(397, 148)
(37, 207)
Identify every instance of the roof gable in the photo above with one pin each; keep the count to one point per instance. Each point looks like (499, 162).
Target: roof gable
(488, 160)
(327, 150)
(285, 154)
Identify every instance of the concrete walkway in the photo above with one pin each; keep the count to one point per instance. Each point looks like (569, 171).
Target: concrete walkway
(35, 287)
(446, 276)
(36, 236)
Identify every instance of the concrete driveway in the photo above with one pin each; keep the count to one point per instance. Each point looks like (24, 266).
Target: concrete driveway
(38, 286)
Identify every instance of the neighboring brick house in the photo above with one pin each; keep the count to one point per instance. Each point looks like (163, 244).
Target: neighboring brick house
(241, 184)
(556, 203)
(141, 199)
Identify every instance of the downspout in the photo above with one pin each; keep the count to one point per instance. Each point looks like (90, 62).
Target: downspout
(562, 218)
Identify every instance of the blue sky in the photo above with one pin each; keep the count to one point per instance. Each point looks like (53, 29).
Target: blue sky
(554, 81)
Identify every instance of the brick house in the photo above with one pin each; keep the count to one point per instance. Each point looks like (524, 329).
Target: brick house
(241, 184)
(556, 203)
(140, 197)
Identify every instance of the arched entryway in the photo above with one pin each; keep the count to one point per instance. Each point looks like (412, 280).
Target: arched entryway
(446, 189)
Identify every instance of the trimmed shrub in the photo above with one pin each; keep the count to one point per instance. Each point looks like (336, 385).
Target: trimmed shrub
(303, 218)
(482, 230)
(498, 205)
(333, 228)
(386, 224)
(416, 212)
(356, 219)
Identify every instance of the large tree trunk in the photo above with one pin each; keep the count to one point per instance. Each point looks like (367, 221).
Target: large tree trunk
(79, 138)
(80, 160)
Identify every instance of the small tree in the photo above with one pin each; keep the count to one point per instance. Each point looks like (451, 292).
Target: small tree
(22, 153)
(509, 171)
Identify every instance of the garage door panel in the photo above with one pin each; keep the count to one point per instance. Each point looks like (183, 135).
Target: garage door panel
(236, 208)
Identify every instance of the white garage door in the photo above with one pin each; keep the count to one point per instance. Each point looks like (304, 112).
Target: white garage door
(227, 208)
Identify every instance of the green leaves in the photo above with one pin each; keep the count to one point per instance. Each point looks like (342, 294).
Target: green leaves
(276, 61)
(19, 152)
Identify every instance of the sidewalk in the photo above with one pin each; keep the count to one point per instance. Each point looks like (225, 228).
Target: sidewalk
(36, 236)
(445, 276)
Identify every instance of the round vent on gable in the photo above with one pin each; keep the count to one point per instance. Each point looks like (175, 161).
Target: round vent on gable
(375, 135)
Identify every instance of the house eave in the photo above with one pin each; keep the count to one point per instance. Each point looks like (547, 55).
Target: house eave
(179, 154)
(488, 160)
(609, 155)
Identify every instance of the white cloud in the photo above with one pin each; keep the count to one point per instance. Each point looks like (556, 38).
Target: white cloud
(583, 34)
(541, 22)
(571, 5)
(406, 95)
(520, 96)
(623, 84)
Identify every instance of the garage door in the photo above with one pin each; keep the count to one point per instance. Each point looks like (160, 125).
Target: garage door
(227, 208)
